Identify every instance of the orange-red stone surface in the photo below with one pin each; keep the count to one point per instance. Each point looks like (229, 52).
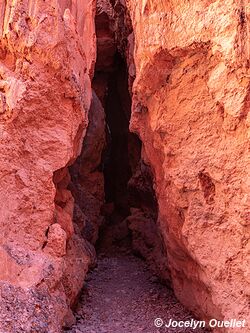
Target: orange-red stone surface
(191, 99)
(191, 110)
(46, 67)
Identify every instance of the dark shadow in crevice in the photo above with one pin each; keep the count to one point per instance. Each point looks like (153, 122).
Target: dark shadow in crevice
(123, 148)
(117, 169)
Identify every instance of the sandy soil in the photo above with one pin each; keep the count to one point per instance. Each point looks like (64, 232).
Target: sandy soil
(122, 296)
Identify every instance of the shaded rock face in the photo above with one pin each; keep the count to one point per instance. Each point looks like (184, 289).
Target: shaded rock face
(46, 69)
(87, 184)
(190, 109)
(146, 237)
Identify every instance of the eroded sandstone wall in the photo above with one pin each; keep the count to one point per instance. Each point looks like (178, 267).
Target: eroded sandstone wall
(190, 109)
(46, 68)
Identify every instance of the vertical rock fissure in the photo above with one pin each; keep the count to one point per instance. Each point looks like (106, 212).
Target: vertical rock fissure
(122, 152)
(128, 226)
(131, 209)
(115, 207)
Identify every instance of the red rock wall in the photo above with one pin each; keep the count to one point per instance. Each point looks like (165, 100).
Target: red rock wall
(190, 109)
(45, 89)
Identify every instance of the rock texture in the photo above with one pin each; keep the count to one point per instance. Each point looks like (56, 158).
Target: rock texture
(87, 177)
(189, 73)
(45, 88)
(190, 109)
(143, 223)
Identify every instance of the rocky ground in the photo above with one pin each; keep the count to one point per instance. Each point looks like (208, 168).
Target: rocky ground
(122, 296)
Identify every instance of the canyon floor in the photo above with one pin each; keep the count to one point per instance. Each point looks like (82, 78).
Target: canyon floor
(121, 295)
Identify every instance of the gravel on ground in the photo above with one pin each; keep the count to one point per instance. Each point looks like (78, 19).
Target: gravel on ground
(122, 296)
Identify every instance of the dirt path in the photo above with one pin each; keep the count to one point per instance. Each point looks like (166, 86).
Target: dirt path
(122, 296)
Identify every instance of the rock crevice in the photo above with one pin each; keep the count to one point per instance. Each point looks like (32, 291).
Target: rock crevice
(146, 103)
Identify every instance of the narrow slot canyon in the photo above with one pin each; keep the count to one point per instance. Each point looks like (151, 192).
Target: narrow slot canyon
(129, 284)
(124, 166)
(126, 290)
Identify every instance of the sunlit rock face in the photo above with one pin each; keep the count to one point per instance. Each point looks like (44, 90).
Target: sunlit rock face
(45, 88)
(190, 108)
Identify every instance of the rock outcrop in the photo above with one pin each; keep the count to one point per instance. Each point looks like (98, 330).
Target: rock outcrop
(190, 109)
(188, 68)
(46, 68)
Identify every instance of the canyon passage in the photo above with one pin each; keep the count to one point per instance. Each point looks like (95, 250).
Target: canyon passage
(124, 165)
